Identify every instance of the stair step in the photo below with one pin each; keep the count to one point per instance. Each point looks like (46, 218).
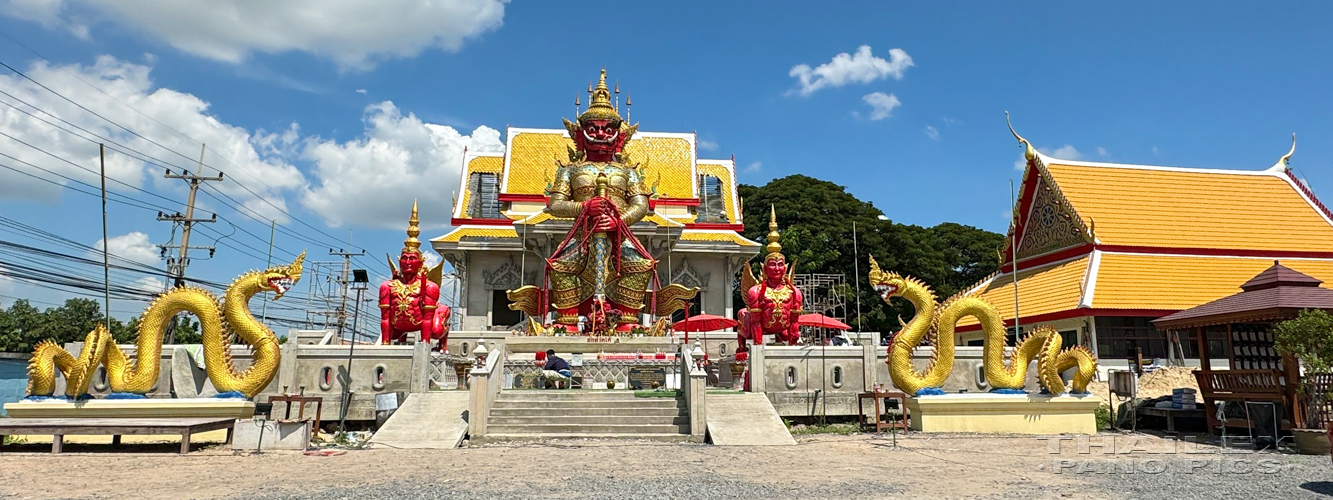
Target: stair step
(510, 403)
(569, 394)
(586, 420)
(671, 438)
(588, 429)
(528, 411)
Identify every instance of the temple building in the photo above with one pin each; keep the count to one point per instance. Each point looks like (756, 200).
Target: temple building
(1102, 249)
(502, 233)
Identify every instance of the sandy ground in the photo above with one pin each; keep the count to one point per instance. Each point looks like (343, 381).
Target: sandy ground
(825, 466)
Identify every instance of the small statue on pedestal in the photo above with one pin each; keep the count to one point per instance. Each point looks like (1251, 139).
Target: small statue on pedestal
(410, 301)
(772, 306)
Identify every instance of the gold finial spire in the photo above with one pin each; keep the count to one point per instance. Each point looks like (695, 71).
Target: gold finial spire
(1028, 152)
(600, 106)
(1286, 158)
(412, 244)
(774, 248)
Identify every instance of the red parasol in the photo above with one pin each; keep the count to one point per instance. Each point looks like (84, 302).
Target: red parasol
(821, 321)
(705, 323)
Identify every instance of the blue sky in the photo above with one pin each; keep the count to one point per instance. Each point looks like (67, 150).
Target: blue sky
(1196, 84)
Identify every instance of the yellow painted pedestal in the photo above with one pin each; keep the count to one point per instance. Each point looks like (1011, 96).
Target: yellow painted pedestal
(1004, 413)
(133, 408)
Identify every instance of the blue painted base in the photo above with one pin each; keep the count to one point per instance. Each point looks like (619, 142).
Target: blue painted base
(230, 395)
(84, 397)
(1008, 391)
(931, 391)
(125, 395)
(1076, 393)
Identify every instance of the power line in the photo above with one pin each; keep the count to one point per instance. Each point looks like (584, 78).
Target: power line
(201, 163)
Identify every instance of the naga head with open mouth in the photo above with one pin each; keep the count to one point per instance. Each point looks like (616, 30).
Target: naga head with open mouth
(280, 279)
(886, 283)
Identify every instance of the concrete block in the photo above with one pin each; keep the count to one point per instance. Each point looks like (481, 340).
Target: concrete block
(277, 435)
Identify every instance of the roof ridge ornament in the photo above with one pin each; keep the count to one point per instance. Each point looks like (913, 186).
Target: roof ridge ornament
(1029, 152)
(1282, 162)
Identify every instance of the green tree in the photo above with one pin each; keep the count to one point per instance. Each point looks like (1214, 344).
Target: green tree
(816, 219)
(1308, 337)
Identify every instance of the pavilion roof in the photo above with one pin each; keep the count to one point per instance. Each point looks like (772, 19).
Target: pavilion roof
(1278, 291)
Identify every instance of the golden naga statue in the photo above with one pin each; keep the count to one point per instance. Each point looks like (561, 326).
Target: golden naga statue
(218, 328)
(1043, 344)
(600, 270)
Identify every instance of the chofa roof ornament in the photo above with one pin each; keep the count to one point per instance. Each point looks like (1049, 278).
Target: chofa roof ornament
(1282, 162)
(1028, 152)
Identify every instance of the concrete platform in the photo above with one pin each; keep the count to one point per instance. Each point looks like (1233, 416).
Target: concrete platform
(746, 419)
(1004, 413)
(133, 408)
(430, 420)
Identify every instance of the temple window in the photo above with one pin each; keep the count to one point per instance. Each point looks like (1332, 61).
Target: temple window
(712, 207)
(1123, 337)
(486, 200)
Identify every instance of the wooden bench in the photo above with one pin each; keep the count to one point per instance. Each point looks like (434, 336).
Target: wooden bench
(1241, 386)
(115, 427)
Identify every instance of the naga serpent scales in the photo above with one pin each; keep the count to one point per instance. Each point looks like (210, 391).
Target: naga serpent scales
(220, 322)
(1042, 344)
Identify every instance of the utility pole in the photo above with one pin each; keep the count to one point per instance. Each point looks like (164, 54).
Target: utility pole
(176, 267)
(342, 281)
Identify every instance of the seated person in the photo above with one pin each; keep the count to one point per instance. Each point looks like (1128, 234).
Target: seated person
(555, 368)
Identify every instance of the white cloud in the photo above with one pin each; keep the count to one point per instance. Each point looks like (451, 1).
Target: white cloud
(707, 145)
(47, 13)
(133, 246)
(1066, 152)
(431, 259)
(863, 67)
(753, 167)
(1155, 151)
(353, 33)
(162, 114)
(932, 133)
(881, 105)
(364, 181)
(1102, 151)
(361, 91)
(150, 284)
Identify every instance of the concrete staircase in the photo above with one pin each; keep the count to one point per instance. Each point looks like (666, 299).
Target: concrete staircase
(570, 414)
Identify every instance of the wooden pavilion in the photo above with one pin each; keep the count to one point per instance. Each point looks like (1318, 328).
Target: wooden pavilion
(1257, 372)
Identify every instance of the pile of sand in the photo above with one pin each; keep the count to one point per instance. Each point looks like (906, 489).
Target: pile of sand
(1153, 384)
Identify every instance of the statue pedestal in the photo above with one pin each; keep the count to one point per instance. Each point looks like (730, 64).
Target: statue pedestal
(133, 408)
(1004, 413)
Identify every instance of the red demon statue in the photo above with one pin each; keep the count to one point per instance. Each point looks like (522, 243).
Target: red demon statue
(773, 305)
(410, 301)
(600, 268)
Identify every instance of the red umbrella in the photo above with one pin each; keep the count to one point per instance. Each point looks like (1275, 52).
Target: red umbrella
(705, 323)
(821, 321)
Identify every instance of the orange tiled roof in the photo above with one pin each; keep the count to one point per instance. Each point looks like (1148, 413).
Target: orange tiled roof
(711, 235)
(1179, 282)
(668, 161)
(477, 232)
(1047, 289)
(1185, 208)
